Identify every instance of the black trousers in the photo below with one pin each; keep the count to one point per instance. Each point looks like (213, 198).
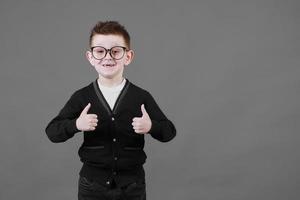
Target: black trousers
(91, 190)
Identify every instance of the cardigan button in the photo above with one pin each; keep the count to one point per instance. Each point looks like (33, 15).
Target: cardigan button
(113, 119)
(114, 139)
(107, 183)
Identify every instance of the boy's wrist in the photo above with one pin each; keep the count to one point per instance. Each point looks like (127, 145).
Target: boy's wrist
(155, 128)
(72, 128)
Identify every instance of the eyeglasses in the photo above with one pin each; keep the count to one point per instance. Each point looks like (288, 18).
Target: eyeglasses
(116, 52)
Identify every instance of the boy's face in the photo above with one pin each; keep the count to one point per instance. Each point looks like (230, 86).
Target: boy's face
(111, 65)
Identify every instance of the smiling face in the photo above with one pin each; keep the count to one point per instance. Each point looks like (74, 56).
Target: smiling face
(108, 67)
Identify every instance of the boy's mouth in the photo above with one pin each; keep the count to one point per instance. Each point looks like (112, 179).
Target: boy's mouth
(108, 65)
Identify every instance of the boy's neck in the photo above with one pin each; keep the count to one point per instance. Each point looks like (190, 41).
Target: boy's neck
(110, 82)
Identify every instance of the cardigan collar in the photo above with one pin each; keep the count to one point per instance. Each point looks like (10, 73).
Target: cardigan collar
(103, 100)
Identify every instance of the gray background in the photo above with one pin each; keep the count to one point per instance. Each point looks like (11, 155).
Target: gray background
(225, 72)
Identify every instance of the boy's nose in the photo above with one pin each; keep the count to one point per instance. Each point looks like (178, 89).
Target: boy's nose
(108, 55)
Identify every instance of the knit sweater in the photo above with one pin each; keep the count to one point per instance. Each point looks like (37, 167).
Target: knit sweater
(113, 147)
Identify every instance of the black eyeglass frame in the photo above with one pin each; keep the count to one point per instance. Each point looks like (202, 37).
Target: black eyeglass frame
(109, 50)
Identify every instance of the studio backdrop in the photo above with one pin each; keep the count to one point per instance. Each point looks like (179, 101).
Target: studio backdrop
(225, 72)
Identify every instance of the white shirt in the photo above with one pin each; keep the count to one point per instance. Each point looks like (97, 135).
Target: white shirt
(111, 93)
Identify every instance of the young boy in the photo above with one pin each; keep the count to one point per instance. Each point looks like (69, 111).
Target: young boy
(114, 115)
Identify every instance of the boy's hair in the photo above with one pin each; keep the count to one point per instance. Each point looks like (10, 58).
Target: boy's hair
(110, 28)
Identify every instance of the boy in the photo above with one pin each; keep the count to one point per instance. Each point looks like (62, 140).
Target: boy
(114, 115)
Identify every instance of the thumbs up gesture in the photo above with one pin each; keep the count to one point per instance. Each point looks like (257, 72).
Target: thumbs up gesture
(86, 122)
(142, 124)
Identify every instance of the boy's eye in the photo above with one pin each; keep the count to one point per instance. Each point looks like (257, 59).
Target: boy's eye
(116, 51)
(100, 51)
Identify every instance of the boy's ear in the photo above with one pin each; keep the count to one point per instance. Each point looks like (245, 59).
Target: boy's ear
(89, 57)
(129, 57)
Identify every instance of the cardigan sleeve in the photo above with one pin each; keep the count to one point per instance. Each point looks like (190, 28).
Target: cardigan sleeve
(63, 126)
(162, 128)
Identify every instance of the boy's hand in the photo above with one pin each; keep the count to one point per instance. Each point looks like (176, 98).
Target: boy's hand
(142, 124)
(86, 122)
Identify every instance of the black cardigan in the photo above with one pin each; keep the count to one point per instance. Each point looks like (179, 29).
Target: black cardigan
(113, 145)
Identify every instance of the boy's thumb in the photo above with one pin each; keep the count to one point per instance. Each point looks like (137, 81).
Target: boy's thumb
(86, 109)
(143, 109)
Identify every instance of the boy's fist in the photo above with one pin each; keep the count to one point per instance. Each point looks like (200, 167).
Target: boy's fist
(86, 122)
(142, 124)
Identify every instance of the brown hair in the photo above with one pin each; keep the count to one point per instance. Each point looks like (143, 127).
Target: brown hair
(110, 28)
